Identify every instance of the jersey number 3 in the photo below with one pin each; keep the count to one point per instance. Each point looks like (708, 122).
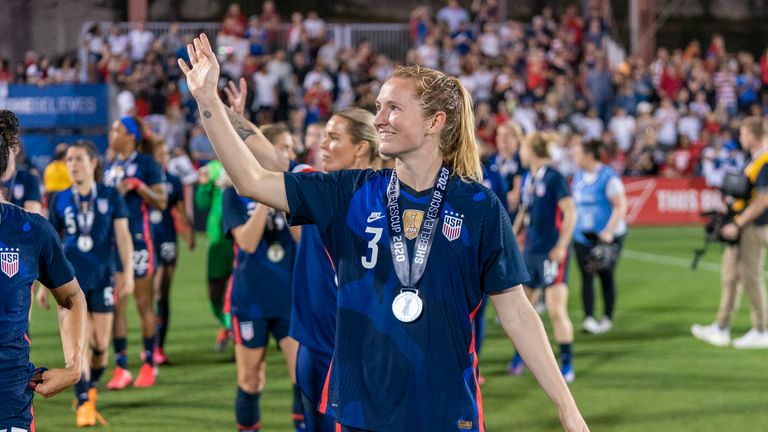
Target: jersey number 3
(373, 246)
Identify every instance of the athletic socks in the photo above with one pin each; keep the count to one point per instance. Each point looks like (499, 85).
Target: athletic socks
(297, 411)
(120, 345)
(95, 376)
(149, 346)
(247, 411)
(566, 355)
(163, 310)
(81, 390)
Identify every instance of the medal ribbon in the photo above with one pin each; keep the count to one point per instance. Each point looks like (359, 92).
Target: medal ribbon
(85, 210)
(410, 274)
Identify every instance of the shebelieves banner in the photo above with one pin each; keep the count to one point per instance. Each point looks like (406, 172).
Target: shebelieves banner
(57, 105)
(664, 201)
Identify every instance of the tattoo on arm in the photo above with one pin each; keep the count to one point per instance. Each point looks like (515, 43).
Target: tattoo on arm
(207, 114)
(242, 126)
(67, 301)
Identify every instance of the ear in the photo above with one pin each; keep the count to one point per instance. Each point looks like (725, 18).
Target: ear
(436, 123)
(362, 150)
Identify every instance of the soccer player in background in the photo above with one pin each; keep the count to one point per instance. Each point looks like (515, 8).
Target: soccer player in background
(260, 291)
(403, 336)
(30, 250)
(21, 186)
(93, 220)
(548, 217)
(136, 175)
(165, 241)
(349, 141)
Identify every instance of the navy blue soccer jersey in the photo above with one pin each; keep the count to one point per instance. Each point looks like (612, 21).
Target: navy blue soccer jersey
(388, 375)
(163, 229)
(89, 262)
(261, 281)
(29, 250)
(494, 180)
(313, 317)
(22, 187)
(541, 193)
(143, 167)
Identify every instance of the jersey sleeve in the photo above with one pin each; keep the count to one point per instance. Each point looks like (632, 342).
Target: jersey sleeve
(53, 214)
(121, 209)
(501, 264)
(233, 212)
(761, 182)
(31, 188)
(562, 190)
(153, 173)
(55, 269)
(319, 198)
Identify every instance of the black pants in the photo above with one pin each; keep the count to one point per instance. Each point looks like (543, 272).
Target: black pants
(607, 279)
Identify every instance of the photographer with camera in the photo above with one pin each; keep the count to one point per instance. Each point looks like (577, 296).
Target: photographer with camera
(601, 208)
(746, 237)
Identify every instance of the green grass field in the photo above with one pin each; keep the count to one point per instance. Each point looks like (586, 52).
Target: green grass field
(649, 374)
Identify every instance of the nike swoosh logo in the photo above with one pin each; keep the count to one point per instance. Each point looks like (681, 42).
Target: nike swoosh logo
(375, 217)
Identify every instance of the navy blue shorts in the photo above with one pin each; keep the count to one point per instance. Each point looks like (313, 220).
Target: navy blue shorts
(254, 333)
(101, 298)
(544, 272)
(16, 413)
(167, 252)
(311, 371)
(144, 259)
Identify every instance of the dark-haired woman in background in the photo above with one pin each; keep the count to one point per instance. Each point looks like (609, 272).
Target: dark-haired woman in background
(601, 206)
(92, 219)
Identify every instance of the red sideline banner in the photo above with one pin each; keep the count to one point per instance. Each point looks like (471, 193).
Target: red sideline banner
(664, 201)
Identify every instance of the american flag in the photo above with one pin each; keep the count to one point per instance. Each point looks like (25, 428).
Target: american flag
(452, 226)
(9, 263)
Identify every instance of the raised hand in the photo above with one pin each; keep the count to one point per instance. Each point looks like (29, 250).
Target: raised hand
(236, 97)
(203, 75)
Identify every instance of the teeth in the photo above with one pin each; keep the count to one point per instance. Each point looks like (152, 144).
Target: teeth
(383, 134)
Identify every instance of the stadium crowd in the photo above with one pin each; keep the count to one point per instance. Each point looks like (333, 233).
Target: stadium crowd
(677, 116)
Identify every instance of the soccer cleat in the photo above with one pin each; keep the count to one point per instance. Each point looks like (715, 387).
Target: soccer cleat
(222, 339)
(606, 325)
(569, 374)
(753, 339)
(86, 414)
(712, 334)
(146, 377)
(92, 395)
(516, 366)
(590, 325)
(121, 379)
(159, 357)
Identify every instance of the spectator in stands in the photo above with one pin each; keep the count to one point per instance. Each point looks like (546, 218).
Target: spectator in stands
(171, 41)
(200, 147)
(270, 22)
(623, 127)
(452, 16)
(56, 176)
(419, 25)
(314, 26)
(234, 23)
(140, 41)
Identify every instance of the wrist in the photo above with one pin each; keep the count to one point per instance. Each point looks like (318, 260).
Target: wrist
(739, 222)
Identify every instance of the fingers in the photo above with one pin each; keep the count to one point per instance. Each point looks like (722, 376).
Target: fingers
(232, 87)
(206, 44)
(230, 96)
(183, 66)
(192, 52)
(199, 53)
(243, 84)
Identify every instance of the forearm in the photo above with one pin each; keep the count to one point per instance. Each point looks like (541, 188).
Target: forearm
(248, 176)
(73, 326)
(753, 210)
(567, 227)
(257, 143)
(618, 213)
(155, 198)
(523, 326)
(125, 248)
(249, 235)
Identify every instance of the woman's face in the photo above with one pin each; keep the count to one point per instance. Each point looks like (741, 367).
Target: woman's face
(526, 154)
(119, 138)
(162, 154)
(506, 140)
(337, 150)
(80, 165)
(399, 119)
(284, 146)
(577, 153)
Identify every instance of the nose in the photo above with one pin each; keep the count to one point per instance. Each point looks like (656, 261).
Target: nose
(380, 119)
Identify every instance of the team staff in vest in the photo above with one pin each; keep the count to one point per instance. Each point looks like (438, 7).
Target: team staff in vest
(601, 208)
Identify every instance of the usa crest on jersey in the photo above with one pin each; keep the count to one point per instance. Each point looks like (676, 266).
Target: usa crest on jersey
(9, 262)
(452, 223)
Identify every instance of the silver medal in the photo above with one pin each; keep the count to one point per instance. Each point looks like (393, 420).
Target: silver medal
(85, 243)
(155, 216)
(407, 306)
(275, 252)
